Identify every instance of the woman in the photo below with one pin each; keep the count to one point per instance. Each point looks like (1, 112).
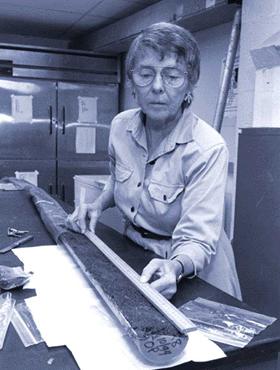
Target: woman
(168, 168)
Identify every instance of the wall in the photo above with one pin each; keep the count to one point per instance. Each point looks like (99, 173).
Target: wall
(213, 44)
(260, 28)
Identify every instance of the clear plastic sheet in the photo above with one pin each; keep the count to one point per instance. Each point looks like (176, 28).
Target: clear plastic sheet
(7, 304)
(25, 325)
(225, 324)
(12, 277)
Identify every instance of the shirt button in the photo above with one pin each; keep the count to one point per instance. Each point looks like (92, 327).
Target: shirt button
(132, 209)
(164, 197)
(139, 184)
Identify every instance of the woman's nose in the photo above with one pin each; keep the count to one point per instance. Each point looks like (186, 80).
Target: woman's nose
(158, 84)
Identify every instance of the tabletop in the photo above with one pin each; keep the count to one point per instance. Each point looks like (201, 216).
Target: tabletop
(18, 211)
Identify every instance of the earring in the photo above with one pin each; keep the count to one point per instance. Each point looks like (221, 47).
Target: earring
(188, 98)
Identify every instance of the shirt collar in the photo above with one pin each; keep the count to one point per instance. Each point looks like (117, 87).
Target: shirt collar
(183, 131)
(136, 126)
(181, 134)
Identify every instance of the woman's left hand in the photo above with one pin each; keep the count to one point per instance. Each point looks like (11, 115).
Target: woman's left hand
(162, 274)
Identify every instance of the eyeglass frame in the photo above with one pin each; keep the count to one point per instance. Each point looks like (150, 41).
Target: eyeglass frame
(185, 73)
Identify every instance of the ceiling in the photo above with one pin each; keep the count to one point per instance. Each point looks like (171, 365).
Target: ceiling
(63, 19)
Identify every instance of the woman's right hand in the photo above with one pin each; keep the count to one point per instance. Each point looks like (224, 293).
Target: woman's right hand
(77, 220)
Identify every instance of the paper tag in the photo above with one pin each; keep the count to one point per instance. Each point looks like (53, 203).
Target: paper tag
(31, 177)
(87, 109)
(210, 3)
(85, 140)
(22, 110)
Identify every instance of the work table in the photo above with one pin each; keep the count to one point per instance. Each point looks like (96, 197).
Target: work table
(17, 210)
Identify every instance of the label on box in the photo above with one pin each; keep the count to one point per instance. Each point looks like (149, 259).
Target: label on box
(31, 177)
(210, 3)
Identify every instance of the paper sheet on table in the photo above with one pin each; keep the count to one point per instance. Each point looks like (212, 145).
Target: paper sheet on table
(68, 311)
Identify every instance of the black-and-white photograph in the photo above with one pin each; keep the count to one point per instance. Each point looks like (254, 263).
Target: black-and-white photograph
(139, 185)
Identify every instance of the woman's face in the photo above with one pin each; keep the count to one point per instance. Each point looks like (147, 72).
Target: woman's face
(158, 100)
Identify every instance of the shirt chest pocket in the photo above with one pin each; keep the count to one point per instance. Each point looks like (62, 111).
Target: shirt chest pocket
(122, 173)
(164, 193)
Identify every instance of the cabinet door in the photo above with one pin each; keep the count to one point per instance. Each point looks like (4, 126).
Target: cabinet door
(257, 221)
(68, 169)
(27, 119)
(85, 113)
(45, 170)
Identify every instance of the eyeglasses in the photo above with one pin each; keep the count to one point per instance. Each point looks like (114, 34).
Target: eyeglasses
(173, 77)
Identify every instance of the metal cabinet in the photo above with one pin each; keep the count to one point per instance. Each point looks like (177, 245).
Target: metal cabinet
(56, 107)
(257, 218)
(46, 169)
(85, 113)
(27, 119)
(66, 170)
(58, 129)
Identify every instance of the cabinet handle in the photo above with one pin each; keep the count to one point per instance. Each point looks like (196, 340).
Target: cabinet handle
(50, 188)
(51, 119)
(63, 192)
(63, 120)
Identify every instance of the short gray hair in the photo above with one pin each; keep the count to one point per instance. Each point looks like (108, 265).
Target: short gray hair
(165, 38)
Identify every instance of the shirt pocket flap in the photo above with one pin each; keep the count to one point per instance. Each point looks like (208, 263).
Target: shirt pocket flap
(122, 172)
(164, 193)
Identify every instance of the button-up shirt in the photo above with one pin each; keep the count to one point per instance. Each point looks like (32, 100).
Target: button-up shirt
(179, 191)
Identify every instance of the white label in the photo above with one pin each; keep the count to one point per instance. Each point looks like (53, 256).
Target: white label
(85, 140)
(87, 109)
(31, 177)
(267, 98)
(210, 3)
(22, 110)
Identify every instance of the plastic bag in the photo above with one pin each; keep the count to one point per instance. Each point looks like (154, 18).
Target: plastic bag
(7, 304)
(225, 324)
(12, 277)
(25, 326)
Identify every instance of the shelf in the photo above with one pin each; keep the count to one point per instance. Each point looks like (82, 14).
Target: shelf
(195, 16)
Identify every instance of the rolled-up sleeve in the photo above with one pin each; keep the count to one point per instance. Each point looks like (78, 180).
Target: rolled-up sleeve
(198, 230)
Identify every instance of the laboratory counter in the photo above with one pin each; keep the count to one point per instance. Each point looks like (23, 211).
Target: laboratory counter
(17, 209)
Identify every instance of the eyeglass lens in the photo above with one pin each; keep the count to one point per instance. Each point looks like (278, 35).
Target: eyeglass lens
(171, 76)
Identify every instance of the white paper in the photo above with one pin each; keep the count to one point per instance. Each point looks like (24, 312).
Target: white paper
(31, 176)
(22, 110)
(267, 98)
(87, 109)
(68, 311)
(210, 3)
(85, 140)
